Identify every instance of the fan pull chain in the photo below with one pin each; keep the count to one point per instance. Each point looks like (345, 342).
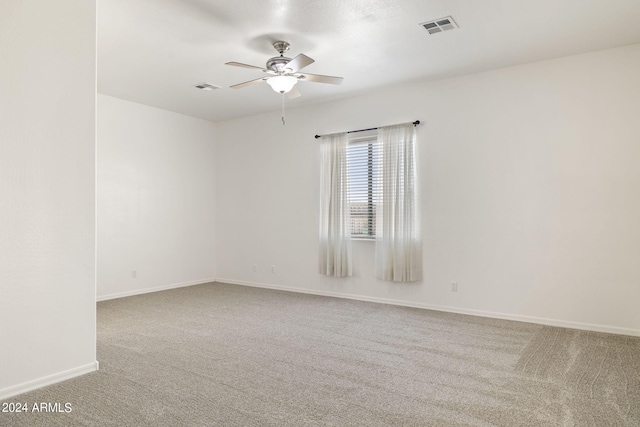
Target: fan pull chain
(283, 109)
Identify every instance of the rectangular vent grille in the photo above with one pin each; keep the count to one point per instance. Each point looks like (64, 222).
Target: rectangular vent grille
(206, 86)
(439, 25)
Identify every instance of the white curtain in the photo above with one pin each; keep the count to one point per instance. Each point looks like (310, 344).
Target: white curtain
(335, 222)
(398, 241)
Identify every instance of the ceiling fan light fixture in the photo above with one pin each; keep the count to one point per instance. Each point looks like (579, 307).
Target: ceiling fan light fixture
(282, 84)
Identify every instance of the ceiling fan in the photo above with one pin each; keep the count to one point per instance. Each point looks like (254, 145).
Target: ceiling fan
(284, 72)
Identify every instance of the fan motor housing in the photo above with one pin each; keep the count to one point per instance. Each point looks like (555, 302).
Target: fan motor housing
(277, 64)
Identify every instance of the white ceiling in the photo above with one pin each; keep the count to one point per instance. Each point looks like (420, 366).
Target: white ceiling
(154, 51)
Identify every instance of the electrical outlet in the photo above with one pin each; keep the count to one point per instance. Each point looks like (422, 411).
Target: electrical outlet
(254, 267)
(454, 286)
(273, 268)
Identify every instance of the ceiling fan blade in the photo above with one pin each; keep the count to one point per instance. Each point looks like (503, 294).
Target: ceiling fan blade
(294, 93)
(298, 63)
(239, 64)
(249, 83)
(321, 79)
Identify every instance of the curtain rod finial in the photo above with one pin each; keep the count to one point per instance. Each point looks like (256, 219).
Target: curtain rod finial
(318, 136)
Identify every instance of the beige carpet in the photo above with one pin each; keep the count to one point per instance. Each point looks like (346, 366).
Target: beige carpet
(224, 355)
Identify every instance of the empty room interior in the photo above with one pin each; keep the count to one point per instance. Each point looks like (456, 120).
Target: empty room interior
(345, 213)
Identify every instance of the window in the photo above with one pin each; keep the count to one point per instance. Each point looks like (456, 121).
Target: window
(368, 189)
(362, 163)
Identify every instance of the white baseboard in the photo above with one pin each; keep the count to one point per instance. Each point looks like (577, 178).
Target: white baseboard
(154, 289)
(15, 390)
(448, 309)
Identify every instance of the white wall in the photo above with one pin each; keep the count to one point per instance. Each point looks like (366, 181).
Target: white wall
(47, 192)
(155, 199)
(529, 190)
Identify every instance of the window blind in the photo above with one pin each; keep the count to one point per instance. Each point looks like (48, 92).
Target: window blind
(363, 161)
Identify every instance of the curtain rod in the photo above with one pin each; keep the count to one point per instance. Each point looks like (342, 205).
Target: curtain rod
(416, 123)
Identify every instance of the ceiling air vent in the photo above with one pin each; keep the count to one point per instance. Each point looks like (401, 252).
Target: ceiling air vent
(439, 25)
(206, 86)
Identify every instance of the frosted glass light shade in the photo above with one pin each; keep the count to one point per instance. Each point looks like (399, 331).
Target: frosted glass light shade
(282, 84)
